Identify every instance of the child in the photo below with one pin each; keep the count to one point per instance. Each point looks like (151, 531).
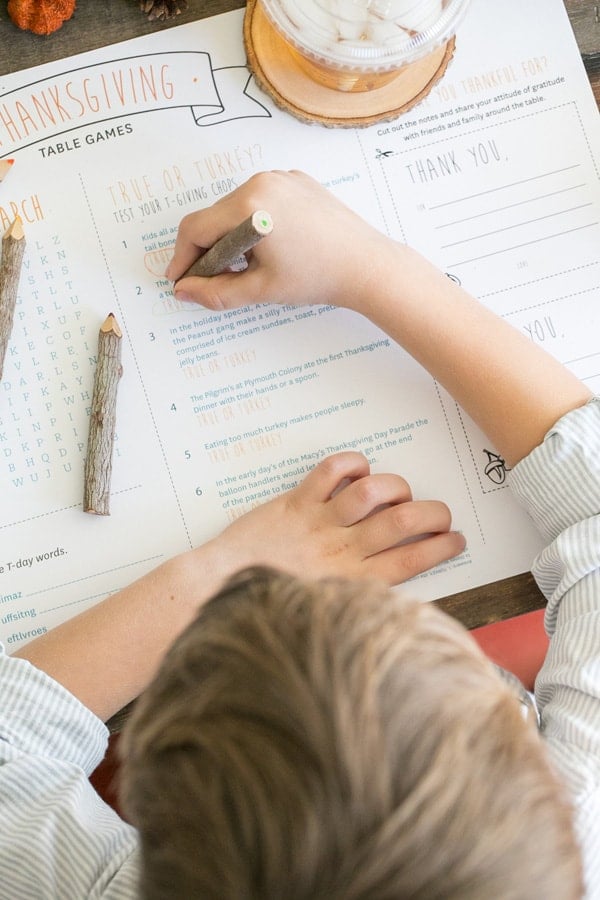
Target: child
(327, 738)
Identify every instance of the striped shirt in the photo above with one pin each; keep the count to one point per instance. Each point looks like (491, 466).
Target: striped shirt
(559, 484)
(60, 841)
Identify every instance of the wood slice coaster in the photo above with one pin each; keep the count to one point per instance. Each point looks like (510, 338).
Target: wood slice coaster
(280, 75)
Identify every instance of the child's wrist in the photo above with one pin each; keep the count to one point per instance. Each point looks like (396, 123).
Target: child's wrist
(386, 274)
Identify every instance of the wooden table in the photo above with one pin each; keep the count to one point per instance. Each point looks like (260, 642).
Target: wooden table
(100, 22)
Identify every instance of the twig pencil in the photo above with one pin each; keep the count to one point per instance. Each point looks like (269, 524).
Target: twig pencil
(13, 248)
(98, 461)
(5, 167)
(228, 250)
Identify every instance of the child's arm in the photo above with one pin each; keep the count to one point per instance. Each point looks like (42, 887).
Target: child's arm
(511, 388)
(321, 252)
(108, 654)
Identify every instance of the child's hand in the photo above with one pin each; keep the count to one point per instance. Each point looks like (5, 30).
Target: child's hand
(319, 252)
(341, 520)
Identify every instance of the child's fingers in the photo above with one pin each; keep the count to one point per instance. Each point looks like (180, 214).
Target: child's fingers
(197, 232)
(398, 564)
(229, 290)
(185, 253)
(329, 475)
(402, 522)
(365, 495)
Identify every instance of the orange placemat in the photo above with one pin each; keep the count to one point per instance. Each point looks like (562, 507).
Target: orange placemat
(518, 644)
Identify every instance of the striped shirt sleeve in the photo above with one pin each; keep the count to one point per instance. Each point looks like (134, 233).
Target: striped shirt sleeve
(57, 837)
(559, 484)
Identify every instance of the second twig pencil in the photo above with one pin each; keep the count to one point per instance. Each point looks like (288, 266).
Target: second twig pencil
(98, 461)
(228, 250)
(13, 248)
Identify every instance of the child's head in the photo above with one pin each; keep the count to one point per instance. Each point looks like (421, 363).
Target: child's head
(333, 739)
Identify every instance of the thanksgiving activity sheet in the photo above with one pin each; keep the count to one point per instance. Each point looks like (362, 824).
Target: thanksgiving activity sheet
(494, 177)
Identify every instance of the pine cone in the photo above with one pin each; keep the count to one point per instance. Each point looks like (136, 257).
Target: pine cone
(162, 9)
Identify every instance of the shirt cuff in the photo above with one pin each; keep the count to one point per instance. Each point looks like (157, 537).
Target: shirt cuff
(558, 483)
(38, 716)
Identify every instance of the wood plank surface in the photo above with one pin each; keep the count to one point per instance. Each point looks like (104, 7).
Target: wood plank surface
(95, 23)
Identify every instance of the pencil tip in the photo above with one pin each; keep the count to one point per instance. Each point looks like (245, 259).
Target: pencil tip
(15, 229)
(5, 165)
(111, 324)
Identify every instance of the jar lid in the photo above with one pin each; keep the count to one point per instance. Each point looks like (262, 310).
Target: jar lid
(373, 35)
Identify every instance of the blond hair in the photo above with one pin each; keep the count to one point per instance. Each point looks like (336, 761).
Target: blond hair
(332, 739)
